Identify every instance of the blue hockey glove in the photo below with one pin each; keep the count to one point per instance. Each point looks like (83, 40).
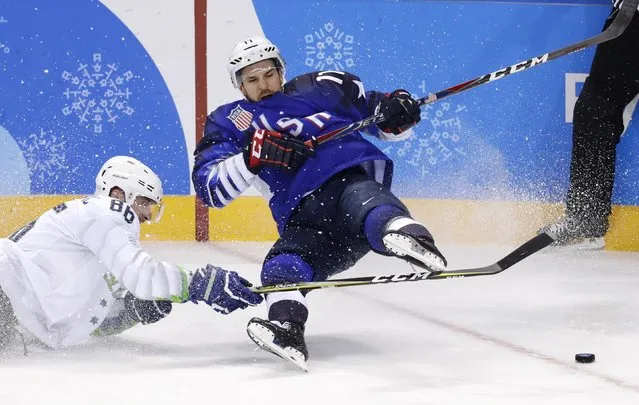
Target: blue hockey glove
(272, 149)
(144, 311)
(400, 110)
(225, 291)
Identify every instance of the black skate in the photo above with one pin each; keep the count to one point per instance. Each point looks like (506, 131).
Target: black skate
(568, 232)
(8, 322)
(285, 340)
(420, 251)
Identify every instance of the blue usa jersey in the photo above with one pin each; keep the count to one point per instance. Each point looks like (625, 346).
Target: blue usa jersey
(308, 106)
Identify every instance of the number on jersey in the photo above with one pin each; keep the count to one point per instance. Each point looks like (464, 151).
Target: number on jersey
(118, 206)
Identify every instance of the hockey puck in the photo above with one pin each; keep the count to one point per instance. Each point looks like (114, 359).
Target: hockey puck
(584, 357)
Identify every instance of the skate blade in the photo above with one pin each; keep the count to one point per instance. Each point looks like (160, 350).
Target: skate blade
(402, 245)
(264, 339)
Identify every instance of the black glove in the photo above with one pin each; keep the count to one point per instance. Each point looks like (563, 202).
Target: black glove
(272, 149)
(146, 312)
(400, 110)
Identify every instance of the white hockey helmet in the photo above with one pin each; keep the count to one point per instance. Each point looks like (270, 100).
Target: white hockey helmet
(134, 178)
(249, 51)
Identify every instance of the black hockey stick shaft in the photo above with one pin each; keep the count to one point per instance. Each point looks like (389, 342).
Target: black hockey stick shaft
(533, 245)
(621, 21)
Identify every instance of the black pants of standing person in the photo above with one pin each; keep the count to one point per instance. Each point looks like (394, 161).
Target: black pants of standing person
(598, 124)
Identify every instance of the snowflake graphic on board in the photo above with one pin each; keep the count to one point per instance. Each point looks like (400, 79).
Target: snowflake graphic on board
(3, 47)
(44, 154)
(439, 137)
(329, 48)
(98, 93)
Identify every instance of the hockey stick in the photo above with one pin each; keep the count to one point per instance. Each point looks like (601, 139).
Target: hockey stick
(534, 245)
(615, 29)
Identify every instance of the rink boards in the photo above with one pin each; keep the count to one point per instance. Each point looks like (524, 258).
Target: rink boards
(451, 221)
(84, 82)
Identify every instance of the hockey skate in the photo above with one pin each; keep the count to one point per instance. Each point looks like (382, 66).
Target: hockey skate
(568, 233)
(285, 340)
(8, 321)
(418, 250)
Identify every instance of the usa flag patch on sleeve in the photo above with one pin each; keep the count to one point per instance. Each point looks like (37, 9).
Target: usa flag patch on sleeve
(240, 118)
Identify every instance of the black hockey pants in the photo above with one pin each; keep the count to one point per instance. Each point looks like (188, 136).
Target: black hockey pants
(612, 84)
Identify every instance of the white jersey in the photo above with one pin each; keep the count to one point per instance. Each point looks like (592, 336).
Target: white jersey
(59, 270)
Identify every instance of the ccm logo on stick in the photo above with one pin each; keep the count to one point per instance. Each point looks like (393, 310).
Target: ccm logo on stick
(517, 67)
(400, 277)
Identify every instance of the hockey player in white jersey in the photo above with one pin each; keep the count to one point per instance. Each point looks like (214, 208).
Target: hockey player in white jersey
(78, 270)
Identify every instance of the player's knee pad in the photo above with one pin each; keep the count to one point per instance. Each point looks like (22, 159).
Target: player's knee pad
(359, 198)
(285, 268)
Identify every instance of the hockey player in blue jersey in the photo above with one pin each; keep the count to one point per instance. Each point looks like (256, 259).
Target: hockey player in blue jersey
(332, 203)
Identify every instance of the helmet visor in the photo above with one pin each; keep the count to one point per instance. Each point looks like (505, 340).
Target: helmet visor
(157, 210)
(147, 209)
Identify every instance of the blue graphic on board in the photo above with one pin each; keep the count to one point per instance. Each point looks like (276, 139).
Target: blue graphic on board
(78, 88)
(504, 140)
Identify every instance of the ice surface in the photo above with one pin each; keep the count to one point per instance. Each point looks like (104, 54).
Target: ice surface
(504, 339)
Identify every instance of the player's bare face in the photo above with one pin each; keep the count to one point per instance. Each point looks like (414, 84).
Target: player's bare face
(142, 207)
(260, 80)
